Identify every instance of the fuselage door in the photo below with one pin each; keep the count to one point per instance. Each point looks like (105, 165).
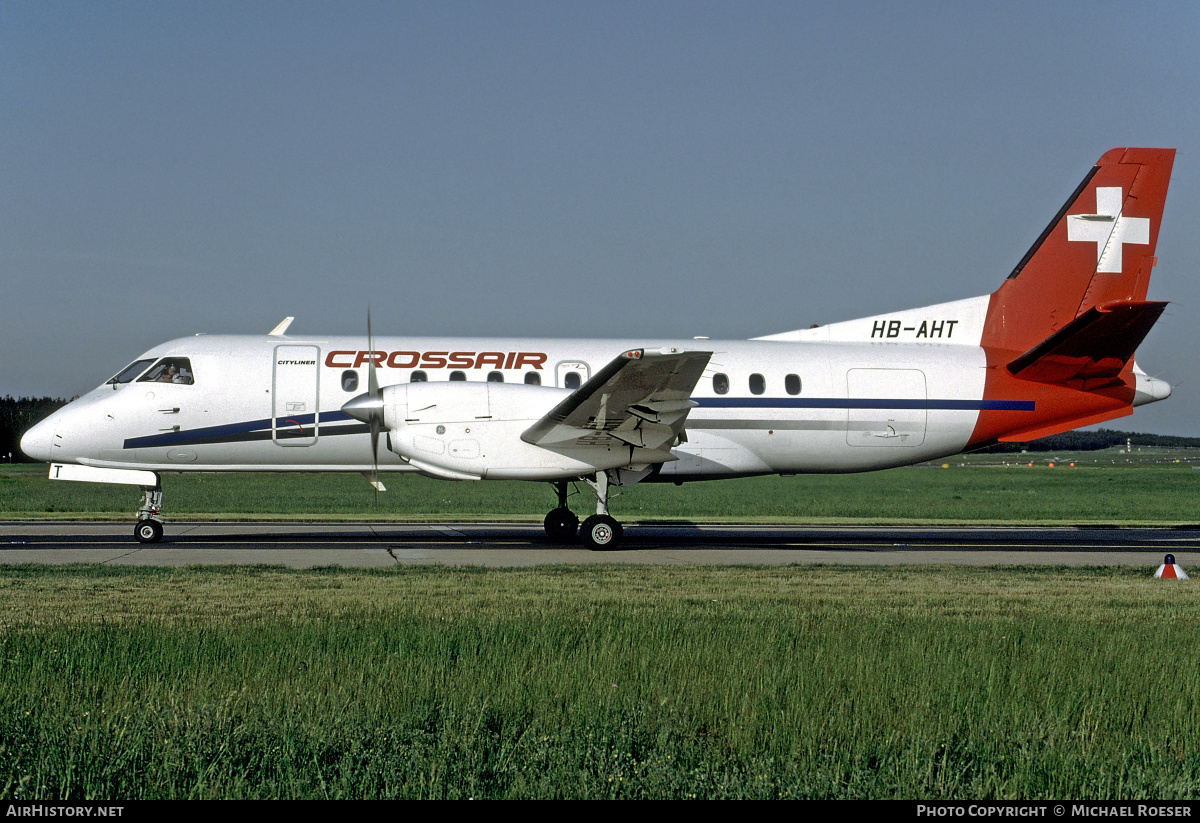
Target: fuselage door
(294, 393)
(887, 407)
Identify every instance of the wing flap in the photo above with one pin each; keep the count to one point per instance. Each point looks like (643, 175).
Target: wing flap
(640, 399)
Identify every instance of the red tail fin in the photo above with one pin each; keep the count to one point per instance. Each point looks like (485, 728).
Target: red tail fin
(1061, 331)
(1098, 250)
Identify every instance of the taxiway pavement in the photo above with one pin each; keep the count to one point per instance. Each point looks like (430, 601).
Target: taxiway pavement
(308, 545)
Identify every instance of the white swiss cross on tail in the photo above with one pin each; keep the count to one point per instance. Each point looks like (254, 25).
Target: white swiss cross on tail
(1108, 228)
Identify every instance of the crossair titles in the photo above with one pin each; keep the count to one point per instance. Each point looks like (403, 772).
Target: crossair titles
(436, 359)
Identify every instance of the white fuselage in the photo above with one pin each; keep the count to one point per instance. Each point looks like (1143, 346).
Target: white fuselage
(269, 403)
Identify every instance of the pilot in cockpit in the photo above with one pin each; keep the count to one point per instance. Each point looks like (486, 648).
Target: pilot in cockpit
(171, 371)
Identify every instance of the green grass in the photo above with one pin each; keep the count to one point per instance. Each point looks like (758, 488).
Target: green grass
(673, 682)
(1148, 487)
(598, 682)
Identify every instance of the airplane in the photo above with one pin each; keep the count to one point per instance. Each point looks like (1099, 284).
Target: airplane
(1052, 349)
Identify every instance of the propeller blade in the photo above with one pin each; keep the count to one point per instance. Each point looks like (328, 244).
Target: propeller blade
(372, 376)
(376, 418)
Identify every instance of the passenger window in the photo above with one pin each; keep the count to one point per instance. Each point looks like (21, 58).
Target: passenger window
(458, 376)
(721, 383)
(349, 381)
(495, 377)
(571, 380)
(532, 378)
(758, 385)
(170, 370)
(130, 372)
(418, 377)
(791, 384)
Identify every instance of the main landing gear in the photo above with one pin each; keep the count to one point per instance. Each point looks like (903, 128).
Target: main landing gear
(561, 524)
(149, 528)
(599, 532)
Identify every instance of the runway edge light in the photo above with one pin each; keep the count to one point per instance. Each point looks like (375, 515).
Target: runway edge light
(1170, 569)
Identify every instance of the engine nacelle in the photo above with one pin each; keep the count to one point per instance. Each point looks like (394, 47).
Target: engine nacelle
(468, 431)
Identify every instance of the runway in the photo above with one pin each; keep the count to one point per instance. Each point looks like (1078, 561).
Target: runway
(308, 545)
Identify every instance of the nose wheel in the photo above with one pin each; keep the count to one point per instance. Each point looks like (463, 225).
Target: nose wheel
(148, 531)
(149, 528)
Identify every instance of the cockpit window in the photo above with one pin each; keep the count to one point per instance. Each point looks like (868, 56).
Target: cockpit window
(130, 372)
(170, 370)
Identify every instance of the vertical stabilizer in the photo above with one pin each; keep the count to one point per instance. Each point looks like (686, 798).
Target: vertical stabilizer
(1098, 250)
(1061, 332)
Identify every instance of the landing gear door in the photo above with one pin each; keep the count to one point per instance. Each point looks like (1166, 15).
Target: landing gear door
(294, 392)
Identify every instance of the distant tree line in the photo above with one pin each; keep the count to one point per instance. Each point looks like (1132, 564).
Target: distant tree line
(1081, 441)
(17, 415)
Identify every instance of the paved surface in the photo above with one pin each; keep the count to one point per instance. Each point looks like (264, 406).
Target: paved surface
(495, 544)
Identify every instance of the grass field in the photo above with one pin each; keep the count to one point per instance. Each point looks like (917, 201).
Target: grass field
(622, 682)
(598, 682)
(1146, 487)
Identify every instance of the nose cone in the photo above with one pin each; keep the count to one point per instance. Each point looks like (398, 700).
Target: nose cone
(38, 441)
(365, 408)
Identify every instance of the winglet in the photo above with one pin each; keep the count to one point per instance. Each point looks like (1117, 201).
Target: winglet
(281, 329)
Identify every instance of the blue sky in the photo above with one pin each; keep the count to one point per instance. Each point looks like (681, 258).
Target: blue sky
(561, 169)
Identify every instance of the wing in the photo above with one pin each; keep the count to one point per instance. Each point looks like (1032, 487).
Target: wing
(640, 399)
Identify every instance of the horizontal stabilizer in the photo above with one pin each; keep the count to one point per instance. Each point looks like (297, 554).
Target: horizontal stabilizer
(1095, 346)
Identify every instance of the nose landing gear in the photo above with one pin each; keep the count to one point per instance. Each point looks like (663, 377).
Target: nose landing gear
(149, 528)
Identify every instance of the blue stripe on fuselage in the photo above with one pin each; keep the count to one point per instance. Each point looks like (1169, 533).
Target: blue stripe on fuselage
(261, 429)
(858, 403)
(232, 432)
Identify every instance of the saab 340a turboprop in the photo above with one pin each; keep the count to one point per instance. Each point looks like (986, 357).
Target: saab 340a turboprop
(1052, 349)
